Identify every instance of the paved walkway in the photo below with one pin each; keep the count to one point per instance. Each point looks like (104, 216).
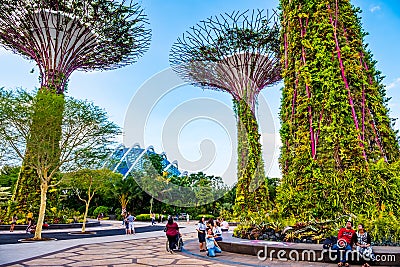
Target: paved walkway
(144, 252)
(142, 249)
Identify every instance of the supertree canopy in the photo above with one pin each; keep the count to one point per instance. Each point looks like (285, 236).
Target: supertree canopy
(334, 113)
(66, 35)
(236, 53)
(62, 36)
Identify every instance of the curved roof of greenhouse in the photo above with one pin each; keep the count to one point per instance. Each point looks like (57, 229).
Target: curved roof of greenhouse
(125, 160)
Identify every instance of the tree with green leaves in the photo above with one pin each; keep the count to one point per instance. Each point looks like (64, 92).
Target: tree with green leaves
(85, 141)
(237, 53)
(62, 36)
(8, 179)
(128, 192)
(334, 113)
(86, 183)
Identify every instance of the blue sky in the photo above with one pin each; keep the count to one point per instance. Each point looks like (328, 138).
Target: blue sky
(114, 90)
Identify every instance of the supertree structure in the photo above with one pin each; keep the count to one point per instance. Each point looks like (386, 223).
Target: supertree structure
(237, 53)
(334, 111)
(62, 36)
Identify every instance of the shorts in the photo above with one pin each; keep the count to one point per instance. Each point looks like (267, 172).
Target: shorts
(202, 237)
(131, 226)
(13, 223)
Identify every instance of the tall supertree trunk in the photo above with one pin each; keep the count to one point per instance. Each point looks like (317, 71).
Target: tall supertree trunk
(236, 53)
(29, 192)
(334, 114)
(251, 188)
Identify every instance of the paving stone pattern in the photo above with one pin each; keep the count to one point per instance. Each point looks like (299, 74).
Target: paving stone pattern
(148, 252)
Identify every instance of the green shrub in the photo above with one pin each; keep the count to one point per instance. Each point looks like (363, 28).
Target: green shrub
(101, 209)
(147, 217)
(90, 211)
(227, 215)
(20, 221)
(118, 215)
(54, 215)
(383, 227)
(143, 217)
(206, 216)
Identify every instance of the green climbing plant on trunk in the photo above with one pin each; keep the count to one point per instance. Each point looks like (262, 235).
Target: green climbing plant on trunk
(251, 189)
(334, 112)
(84, 142)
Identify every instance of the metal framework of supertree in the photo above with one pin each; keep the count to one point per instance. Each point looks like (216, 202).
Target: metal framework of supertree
(62, 36)
(236, 53)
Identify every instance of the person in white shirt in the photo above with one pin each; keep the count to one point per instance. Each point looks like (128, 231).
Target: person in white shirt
(131, 228)
(201, 233)
(224, 225)
(217, 232)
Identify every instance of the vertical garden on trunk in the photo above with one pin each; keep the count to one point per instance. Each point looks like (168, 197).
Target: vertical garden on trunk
(336, 131)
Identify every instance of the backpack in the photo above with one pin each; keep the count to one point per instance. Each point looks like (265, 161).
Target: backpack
(329, 242)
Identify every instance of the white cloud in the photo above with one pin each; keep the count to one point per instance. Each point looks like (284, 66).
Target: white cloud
(393, 84)
(375, 8)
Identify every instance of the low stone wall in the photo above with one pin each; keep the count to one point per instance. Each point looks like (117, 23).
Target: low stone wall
(52, 226)
(388, 256)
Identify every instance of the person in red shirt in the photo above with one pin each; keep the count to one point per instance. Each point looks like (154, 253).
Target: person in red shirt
(344, 244)
(172, 232)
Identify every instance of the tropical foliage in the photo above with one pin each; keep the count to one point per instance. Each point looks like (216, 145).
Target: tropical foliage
(86, 136)
(383, 227)
(334, 114)
(87, 183)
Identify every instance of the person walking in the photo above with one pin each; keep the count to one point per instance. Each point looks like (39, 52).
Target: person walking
(13, 222)
(153, 219)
